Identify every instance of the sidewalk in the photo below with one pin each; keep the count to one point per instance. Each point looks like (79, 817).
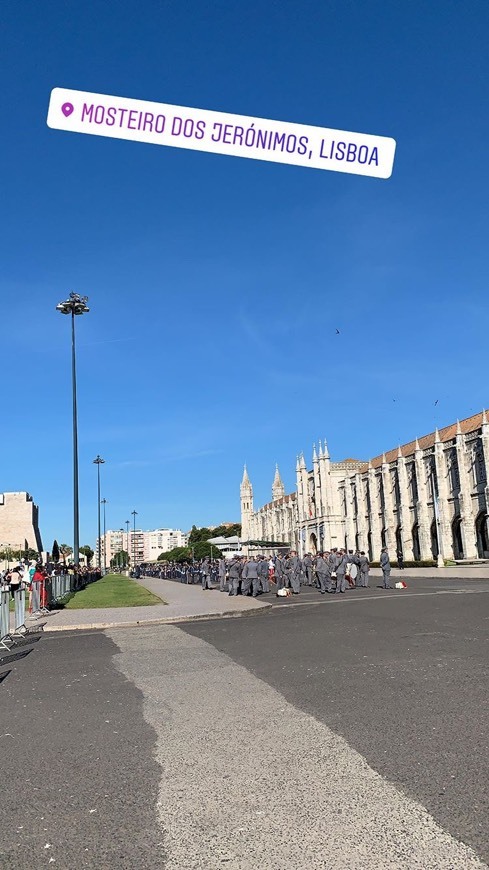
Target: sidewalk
(459, 572)
(182, 603)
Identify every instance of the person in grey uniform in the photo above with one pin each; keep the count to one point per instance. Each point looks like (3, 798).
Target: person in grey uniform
(364, 568)
(307, 564)
(386, 568)
(263, 574)
(222, 575)
(293, 568)
(235, 569)
(341, 571)
(249, 577)
(206, 575)
(327, 559)
(323, 573)
(333, 561)
(279, 572)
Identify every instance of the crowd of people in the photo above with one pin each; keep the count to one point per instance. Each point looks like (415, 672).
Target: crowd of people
(36, 578)
(333, 571)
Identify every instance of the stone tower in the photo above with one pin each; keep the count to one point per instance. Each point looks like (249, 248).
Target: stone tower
(19, 521)
(278, 489)
(246, 493)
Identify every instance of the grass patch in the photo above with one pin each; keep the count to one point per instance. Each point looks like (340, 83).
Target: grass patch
(11, 605)
(113, 590)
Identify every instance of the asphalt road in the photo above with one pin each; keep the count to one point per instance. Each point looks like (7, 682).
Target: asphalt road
(336, 731)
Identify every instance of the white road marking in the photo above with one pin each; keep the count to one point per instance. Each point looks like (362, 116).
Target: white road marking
(248, 781)
(343, 600)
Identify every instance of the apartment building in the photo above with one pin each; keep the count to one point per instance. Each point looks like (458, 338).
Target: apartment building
(142, 546)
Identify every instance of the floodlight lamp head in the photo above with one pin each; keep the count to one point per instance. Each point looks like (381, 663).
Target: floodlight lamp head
(76, 304)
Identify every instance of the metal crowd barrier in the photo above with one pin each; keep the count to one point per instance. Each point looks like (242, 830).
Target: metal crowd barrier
(7, 634)
(19, 609)
(4, 616)
(59, 586)
(45, 597)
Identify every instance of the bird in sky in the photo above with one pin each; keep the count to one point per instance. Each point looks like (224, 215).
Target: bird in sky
(436, 402)
(337, 332)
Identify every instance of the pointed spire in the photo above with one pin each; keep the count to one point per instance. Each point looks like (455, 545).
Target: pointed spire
(484, 417)
(399, 452)
(437, 436)
(303, 462)
(416, 445)
(370, 466)
(320, 449)
(314, 454)
(325, 449)
(458, 430)
(297, 464)
(246, 481)
(278, 489)
(384, 459)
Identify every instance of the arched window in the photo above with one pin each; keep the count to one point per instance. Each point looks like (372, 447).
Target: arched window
(416, 547)
(482, 535)
(458, 547)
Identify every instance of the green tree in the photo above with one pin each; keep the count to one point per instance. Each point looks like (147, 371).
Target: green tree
(203, 534)
(88, 553)
(8, 554)
(55, 551)
(31, 554)
(197, 535)
(226, 531)
(120, 560)
(204, 550)
(178, 554)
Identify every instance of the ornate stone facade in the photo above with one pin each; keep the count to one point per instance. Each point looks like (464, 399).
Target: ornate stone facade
(428, 498)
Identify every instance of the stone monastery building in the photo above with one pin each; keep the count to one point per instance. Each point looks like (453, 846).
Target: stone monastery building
(428, 498)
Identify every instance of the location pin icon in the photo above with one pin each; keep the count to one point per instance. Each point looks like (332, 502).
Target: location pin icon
(67, 109)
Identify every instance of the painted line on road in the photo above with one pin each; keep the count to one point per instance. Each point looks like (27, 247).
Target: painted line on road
(382, 597)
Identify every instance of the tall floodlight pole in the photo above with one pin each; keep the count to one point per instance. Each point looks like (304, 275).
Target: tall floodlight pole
(134, 515)
(74, 305)
(104, 502)
(98, 461)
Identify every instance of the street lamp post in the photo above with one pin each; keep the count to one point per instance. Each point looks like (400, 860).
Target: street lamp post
(134, 515)
(75, 306)
(98, 461)
(121, 551)
(104, 502)
(128, 523)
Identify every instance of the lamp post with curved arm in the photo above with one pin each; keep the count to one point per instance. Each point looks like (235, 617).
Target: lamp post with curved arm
(134, 515)
(128, 523)
(74, 305)
(104, 502)
(98, 461)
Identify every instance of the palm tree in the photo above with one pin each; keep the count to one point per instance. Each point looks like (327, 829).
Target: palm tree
(65, 551)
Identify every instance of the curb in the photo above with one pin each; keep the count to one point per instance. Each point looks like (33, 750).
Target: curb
(168, 620)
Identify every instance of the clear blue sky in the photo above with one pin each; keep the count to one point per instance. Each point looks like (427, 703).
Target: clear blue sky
(216, 284)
